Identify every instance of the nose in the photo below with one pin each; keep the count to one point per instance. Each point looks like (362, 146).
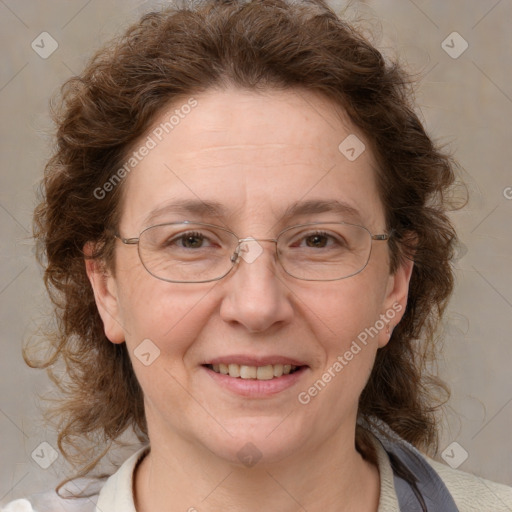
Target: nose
(255, 295)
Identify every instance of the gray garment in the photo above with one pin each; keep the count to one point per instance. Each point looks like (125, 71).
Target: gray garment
(418, 487)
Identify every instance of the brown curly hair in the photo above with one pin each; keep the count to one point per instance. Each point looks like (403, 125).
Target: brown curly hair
(255, 45)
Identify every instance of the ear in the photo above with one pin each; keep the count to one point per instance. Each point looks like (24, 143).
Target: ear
(105, 295)
(396, 299)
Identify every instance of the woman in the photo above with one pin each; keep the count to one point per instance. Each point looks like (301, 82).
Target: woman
(247, 244)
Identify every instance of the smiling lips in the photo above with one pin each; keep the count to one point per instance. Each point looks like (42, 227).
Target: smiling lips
(257, 377)
(266, 372)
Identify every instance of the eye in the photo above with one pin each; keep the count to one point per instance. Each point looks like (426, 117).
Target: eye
(322, 240)
(317, 240)
(189, 240)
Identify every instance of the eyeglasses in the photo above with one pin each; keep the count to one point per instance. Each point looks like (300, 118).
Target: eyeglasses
(195, 252)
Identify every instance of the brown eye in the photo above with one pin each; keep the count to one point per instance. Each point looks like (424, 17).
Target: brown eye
(321, 240)
(191, 240)
(317, 240)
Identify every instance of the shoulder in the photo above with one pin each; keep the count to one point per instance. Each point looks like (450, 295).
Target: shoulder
(22, 505)
(50, 501)
(443, 487)
(106, 494)
(473, 493)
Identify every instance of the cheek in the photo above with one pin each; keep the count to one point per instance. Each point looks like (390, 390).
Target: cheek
(168, 314)
(346, 323)
(347, 320)
(345, 308)
(163, 320)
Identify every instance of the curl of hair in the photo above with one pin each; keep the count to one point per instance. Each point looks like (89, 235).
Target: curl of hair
(256, 45)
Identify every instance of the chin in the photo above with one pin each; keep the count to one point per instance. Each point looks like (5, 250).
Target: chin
(264, 443)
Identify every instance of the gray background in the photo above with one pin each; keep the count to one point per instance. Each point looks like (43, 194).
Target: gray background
(466, 102)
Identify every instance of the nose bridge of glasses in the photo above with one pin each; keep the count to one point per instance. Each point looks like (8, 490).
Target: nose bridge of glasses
(249, 249)
(252, 239)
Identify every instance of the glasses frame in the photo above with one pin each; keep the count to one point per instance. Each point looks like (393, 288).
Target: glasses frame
(235, 258)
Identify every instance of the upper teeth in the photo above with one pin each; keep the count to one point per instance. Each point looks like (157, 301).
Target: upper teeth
(254, 372)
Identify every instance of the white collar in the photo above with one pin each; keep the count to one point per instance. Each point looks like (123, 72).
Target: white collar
(117, 493)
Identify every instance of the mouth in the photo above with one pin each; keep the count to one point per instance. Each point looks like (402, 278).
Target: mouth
(266, 372)
(256, 376)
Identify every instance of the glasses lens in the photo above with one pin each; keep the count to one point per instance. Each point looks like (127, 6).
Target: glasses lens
(324, 252)
(187, 252)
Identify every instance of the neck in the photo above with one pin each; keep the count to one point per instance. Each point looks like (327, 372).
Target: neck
(333, 477)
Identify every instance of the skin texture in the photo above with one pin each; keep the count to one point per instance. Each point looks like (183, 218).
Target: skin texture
(256, 153)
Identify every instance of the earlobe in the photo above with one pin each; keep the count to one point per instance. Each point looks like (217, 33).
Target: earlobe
(105, 295)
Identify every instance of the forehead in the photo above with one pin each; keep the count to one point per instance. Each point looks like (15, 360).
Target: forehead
(254, 156)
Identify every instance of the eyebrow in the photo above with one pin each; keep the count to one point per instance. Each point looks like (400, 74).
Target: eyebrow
(206, 208)
(320, 206)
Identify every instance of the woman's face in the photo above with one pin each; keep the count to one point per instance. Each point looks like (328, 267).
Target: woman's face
(255, 155)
